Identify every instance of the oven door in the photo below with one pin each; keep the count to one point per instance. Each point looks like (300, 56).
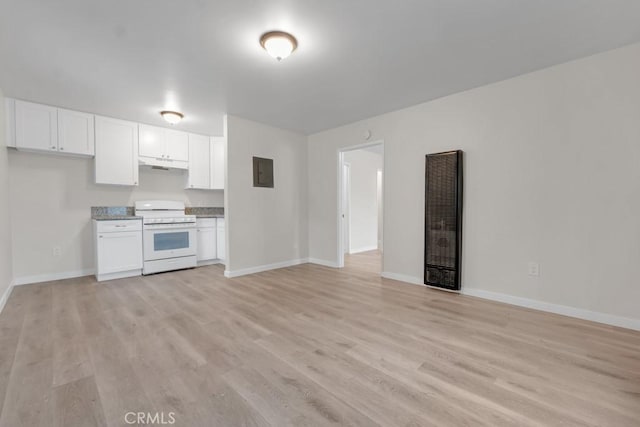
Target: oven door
(169, 242)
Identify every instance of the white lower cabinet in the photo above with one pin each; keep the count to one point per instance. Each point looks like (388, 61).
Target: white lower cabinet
(207, 236)
(118, 249)
(221, 240)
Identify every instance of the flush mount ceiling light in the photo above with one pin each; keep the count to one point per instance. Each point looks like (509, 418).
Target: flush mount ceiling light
(278, 44)
(172, 117)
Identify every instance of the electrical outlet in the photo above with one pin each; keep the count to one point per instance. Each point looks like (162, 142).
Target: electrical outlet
(57, 251)
(534, 269)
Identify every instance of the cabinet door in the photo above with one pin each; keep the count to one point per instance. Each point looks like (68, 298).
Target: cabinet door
(207, 244)
(199, 159)
(218, 161)
(36, 127)
(177, 145)
(220, 243)
(116, 152)
(119, 252)
(152, 142)
(75, 133)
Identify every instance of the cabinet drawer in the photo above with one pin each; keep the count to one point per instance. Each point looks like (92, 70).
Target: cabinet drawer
(206, 222)
(119, 226)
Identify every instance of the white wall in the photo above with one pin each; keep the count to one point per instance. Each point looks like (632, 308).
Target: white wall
(266, 225)
(6, 273)
(51, 197)
(364, 199)
(552, 175)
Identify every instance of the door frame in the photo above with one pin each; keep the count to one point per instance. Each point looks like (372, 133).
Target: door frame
(340, 157)
(346, 215)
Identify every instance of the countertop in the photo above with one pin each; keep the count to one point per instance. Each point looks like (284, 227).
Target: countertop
(115, 217)
(115, 213)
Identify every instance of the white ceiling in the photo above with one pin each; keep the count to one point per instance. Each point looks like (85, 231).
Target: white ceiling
(356, 58)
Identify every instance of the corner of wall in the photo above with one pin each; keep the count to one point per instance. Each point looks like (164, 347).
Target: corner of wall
(6, 261)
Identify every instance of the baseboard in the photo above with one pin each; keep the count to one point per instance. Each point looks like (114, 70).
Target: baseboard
(259, 269)
(402, 278)
(323, 262)
(6, 295)
(579, 313)
(363, 249)
(27, 280)
(594, 316)
(209, 262)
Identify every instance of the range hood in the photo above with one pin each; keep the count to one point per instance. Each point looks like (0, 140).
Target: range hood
(162, 163)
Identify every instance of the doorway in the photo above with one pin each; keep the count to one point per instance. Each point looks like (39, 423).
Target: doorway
(360, 204)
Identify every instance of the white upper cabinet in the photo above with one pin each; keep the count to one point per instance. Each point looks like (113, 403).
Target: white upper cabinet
(217, 162)
(55, 130)
(199, 162)
(164, 147)
(36, 127)
(152, 141)
(76, 133)
(177, 145)
(116, 151)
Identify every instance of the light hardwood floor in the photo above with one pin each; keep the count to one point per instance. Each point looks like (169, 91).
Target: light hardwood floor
(303, 346)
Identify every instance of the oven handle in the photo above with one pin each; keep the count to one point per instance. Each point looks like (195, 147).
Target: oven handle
(190, 227)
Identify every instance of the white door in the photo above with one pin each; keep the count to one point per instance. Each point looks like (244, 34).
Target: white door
(116, 151)
(76, 133)
(218, 161)
(152, 142)
(199, 162)
(119, 252)
(221, 240)
(346, 207)
(36, 126)
(177, 145)
(207, 246)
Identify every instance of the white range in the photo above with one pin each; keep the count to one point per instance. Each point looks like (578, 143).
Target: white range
(169, 236)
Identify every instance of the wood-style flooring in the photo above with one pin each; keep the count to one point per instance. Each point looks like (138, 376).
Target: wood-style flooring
(303, 346)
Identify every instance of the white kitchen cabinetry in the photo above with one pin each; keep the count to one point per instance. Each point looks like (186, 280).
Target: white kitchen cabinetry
(163, 147)
(199, 162)
(217, 167)
(152, 141)
(116, 151)
(54, 130)
(177, 145)
(76, 133)
(36, 127)
(221, 239)
(207, 236)
(118, 249)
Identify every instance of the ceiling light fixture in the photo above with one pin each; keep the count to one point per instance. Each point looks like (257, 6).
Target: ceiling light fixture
(172, 117)
(278, 44)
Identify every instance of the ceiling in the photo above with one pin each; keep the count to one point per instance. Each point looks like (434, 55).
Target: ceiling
(356, 58)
